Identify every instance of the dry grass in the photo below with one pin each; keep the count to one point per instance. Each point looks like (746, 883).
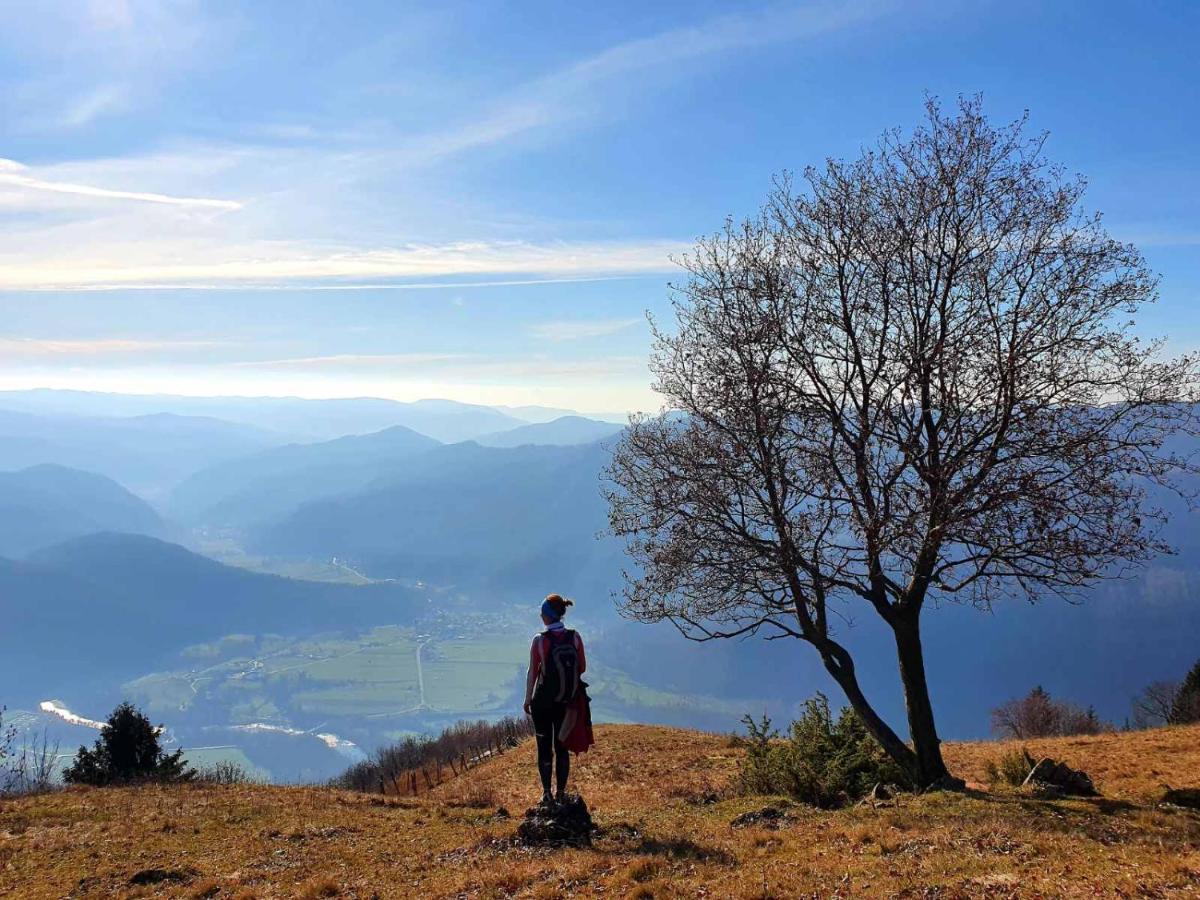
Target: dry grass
(1130, 765)
(658, 793)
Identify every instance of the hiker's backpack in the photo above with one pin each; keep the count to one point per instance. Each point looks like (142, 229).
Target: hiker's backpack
(560, 668)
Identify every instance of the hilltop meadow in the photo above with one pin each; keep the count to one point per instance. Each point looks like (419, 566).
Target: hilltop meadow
(664, 800)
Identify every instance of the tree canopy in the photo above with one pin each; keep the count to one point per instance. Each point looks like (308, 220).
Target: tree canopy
(915, 379)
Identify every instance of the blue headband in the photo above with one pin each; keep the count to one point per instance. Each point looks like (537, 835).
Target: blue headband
(549, 612)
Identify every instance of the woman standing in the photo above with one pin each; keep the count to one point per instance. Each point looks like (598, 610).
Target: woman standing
(556, 661)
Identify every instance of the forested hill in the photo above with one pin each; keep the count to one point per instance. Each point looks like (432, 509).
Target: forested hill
(47, 503)
(120, 603)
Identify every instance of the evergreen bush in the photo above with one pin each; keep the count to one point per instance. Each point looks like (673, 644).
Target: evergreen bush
(1186, 708)
(824, 761)
(127, 750)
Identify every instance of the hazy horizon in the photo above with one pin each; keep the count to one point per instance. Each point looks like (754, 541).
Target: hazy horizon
(513, 408)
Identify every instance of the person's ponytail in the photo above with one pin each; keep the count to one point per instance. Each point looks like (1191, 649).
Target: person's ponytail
(559, 604)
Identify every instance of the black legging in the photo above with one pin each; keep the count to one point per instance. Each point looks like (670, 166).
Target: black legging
(547, 720)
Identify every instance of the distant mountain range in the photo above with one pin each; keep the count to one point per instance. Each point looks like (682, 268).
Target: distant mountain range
(297, 418)
(146, 453)
(483, 527)
(46, 504)
(271, 483)
(563, 431)
(507, 518)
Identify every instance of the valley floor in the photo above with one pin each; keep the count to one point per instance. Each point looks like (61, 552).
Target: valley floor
(661, 797)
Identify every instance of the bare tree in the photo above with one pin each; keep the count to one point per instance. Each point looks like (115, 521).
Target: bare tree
(1037, 714)
(913, 381)
(28, 767)
(1154, 705)
(8, 738)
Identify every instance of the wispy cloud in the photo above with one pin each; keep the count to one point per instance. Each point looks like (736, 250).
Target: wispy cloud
(13, 173)
(576, 90)
(1159, 236)
(276, 265)
(457, 366)
(92, 104)
(26, 349)
(575, 329)
(359, 361)
(341, 216)
(101, 57)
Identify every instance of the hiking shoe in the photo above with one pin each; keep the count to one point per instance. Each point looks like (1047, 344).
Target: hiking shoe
(560, 797)
(547, 799)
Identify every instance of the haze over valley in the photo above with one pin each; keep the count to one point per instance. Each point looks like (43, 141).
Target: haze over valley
(289, 593)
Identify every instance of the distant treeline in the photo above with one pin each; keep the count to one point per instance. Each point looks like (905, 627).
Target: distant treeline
(421, 763)
(1038, 715)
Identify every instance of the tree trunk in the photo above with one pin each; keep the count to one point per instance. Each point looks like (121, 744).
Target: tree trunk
(839, 664)
(930, 768)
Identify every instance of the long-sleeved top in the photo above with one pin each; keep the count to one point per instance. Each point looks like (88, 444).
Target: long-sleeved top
(537, 657)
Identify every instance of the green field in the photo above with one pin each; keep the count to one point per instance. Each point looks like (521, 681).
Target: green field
(367, 687)
(474, 675)
(372, 674)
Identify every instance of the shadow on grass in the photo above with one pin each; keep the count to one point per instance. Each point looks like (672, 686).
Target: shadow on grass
(630, 840)
(1109, 807)
(1031, 803)
(684, 849)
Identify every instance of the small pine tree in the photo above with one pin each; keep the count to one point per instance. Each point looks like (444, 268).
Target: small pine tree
(1186, 707)
(127, 750)
(825, 761)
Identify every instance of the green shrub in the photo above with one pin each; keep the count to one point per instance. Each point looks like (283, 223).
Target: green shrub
(825, 762)
(127, 750)
(1011, 767)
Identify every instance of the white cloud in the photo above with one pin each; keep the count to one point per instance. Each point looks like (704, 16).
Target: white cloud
(94, 103)
(334, 216)
(575, 329)
(279, 264)
(360, 361)
(457, 367)
(26, 349)
(13, 173)
(1159, 236)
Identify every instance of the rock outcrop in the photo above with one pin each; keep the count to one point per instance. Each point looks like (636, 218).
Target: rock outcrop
(1050, 777)
(556, 824)
(1188, 798)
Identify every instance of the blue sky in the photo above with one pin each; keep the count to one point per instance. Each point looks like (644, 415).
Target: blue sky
(480, 200)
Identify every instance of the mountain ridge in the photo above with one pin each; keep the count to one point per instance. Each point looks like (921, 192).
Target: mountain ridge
(50, 503)
(268, 483)
(563, 431)
(314, 419)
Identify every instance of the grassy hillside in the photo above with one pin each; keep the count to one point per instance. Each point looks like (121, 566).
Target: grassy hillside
(662, 798)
